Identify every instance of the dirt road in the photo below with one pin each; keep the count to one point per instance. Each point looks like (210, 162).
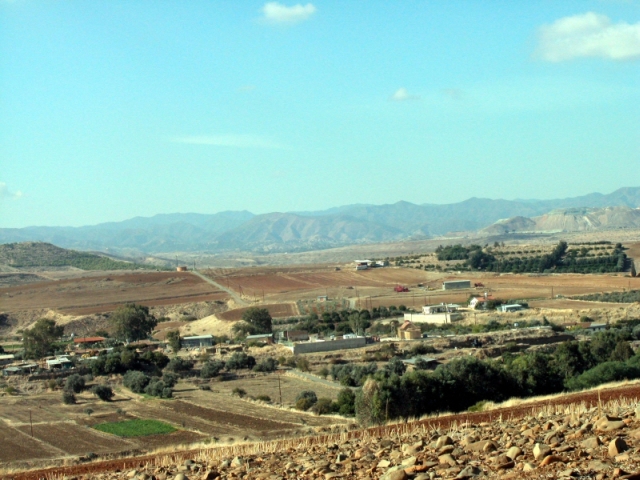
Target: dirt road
(237, 298)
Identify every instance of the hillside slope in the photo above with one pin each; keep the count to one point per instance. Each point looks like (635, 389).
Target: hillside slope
(569, 220)
(39, 254)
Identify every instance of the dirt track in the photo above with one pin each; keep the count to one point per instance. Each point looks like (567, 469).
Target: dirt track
(590, 398)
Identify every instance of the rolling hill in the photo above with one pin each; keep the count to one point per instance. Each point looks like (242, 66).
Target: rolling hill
(39, 254)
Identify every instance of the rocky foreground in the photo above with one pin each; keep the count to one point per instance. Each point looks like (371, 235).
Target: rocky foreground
(572, 441)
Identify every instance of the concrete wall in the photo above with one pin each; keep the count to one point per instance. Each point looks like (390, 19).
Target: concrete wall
(437, 318)
(313, 347)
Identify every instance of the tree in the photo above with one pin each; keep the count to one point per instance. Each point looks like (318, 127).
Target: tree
(173, 339)
(74, 383)
(133, 322)
(103, 392)
(135, 381)
(38, 342)
(259, 318)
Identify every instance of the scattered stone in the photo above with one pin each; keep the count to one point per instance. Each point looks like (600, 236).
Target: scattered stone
(540, 450)
(617, 446)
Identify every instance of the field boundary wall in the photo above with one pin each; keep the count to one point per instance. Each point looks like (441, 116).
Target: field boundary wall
(331, 345)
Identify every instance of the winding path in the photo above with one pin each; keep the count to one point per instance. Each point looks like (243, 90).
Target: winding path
(237, 298)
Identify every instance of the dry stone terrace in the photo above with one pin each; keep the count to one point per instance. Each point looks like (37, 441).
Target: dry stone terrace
(553, 441)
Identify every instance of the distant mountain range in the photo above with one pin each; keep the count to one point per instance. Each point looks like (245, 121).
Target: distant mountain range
(346, 225)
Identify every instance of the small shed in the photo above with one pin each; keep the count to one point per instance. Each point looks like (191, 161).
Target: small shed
(6, 359)
(409, 331)
(456, 284)
(182, 268)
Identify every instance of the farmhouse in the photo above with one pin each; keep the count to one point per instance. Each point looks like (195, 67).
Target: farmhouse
(442, 308)
(87, 341)
(197, 341)
(456, 284)
(59, 363)
(409, 331)
(181, 268)
(476, 302)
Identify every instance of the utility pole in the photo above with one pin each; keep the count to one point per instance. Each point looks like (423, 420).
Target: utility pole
(31, 423)
(279, 388)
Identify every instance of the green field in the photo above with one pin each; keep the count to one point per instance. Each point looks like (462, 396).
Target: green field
(135, 428)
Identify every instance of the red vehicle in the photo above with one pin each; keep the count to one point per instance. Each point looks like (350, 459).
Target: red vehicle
(401, 288)
(478, 285)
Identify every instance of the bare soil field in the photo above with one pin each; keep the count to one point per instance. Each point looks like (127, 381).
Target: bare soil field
(18, 446)
(93, 294)
(74, 439)
(277, 310)
(562, 303)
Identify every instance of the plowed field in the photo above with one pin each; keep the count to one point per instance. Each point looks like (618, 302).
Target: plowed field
(95, 294)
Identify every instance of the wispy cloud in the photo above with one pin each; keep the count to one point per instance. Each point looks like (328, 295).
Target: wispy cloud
(275, 12)
(233, 141)
(246, 88)
(5, 193)
(402, 95)
(588, 35)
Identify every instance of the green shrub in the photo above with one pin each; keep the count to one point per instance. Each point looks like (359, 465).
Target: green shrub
(179, 365)
(603, 373)
(264, 398)
(240, 360)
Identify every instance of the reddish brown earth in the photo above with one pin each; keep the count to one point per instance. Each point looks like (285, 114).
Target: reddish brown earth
(589, 398)
(95, 294)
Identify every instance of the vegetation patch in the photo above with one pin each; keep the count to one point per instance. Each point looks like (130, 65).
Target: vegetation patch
(135, 428)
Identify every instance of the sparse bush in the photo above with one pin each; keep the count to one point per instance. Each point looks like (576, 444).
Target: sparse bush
(307, 394)
(264, 398)
(135, 381)
(211, 369)
(324, 406)
(266, 365)
(157, 388)
(239, 392)
(88, 411)
(239, 360)
(303, 365)
(68, 397)
(179, 365)
(323, 372)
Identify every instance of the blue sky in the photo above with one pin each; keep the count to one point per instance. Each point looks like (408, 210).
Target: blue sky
(110, 110)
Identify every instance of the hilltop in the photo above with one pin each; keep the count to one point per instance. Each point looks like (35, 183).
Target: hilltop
(40, 254)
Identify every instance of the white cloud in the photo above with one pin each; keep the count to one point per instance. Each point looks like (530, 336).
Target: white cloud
(402, 95)
(247, 88)
(275, 12)
(234, 141)
(588, 35)
(5, 193)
